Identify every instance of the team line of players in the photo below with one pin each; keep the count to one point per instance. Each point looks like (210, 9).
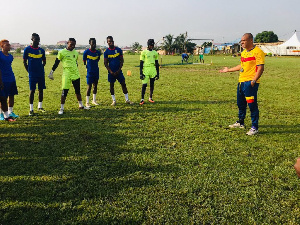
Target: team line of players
(34, 61)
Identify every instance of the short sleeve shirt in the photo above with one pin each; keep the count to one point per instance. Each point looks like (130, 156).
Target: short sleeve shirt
(149, 58)
(35, 57)
(69, 62)
(250, 60)
(92, 58)
(114, 58)
(5, 67)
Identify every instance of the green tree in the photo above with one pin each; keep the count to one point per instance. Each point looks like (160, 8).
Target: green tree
(136, 47)
(168, 44)
(18, 50)
(266, 37)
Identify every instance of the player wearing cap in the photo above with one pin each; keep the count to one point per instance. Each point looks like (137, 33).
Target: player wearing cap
(149, 69)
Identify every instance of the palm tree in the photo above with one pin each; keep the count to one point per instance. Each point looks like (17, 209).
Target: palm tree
(168, 44)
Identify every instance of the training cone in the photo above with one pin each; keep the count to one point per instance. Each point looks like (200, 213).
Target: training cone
(128, 72)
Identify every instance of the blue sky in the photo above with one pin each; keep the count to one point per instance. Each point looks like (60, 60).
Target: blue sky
(130, 21)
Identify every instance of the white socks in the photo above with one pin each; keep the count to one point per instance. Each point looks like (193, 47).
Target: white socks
(94, 97)
(40, 105)
(113, 98)
(126, 97)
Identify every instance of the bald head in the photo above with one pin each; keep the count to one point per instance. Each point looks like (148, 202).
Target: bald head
(247, 41)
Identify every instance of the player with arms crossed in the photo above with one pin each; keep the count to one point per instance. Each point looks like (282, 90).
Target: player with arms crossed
(149, 69)
(113, 61)
(68, 57)
(251, 69)
(35, 56)
(91, 59)
(8, 87)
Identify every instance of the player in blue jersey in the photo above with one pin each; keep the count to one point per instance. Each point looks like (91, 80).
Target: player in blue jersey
(113, 61)
(8, 87)
(35, 56)
(185, 57)
(91, 58)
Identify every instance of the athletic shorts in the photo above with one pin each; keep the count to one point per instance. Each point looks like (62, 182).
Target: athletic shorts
(67, 80)
(92, 78)
(113, 79)
(200, 56)
(37, 80)
(9, 89)
(147, 78)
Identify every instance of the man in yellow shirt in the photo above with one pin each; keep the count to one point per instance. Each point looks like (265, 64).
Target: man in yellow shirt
(251, 69)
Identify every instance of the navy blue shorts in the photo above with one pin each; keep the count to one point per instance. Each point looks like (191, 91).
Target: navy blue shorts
(37, 80)
(92, 78)
(113, 79)
(10, 88)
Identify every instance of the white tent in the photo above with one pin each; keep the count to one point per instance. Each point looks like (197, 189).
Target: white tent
(290, 47)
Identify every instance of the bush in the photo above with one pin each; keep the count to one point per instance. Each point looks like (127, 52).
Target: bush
(54, 52)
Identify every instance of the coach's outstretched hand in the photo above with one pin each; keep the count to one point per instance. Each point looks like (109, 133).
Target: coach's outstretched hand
(142, 76)
(50, 76)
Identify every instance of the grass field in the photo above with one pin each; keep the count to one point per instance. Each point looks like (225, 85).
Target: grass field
(171, 162)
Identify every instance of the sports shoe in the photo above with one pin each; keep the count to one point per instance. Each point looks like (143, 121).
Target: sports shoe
(31, 113)
(113, 103)
(252, 131)
(151, 100)
(61, 111)
(142, 102)
(1, 116)
(237, 125)
(41, 110)
(10, 119)
(88, 105)
(12, 114)
(95, 103)
(84, 107)
(128, 102)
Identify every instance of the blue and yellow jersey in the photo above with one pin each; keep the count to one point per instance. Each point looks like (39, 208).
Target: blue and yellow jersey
(249, 62)
(114, 58)
(35, 58)
(5, 67)
(92, 58)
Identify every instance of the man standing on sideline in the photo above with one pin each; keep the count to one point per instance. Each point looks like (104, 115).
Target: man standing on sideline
(149, 69)
(201, 52)
(113, 61)
(36, 62)
(251, 69)
(91, 59)
(68, 57)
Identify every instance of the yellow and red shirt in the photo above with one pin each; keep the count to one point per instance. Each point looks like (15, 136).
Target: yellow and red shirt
(249, 62)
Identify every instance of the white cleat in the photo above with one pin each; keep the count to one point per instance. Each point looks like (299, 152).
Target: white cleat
(237, 125)
(60, 112)
(252, 131)
(129, 102)
(95, 103)
(113, 103)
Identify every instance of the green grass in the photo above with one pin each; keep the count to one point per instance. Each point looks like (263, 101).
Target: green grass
(172, 162)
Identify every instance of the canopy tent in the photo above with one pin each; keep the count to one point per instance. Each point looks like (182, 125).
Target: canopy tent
(290, 47)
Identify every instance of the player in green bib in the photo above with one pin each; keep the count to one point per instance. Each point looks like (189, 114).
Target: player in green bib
(149, 69)
(68, 57)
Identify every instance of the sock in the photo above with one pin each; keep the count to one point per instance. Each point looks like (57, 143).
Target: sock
(87, 99)
(40, 105)
(5, 114)
(31, 107)
(126, 97)
(62, 106)
(241, 121)
(142, 99)
(113, 98)
(94, 97)
(80, 104)
(10, 110)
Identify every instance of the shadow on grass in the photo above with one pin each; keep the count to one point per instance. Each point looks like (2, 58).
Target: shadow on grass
(51, 164)
(280, 128)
